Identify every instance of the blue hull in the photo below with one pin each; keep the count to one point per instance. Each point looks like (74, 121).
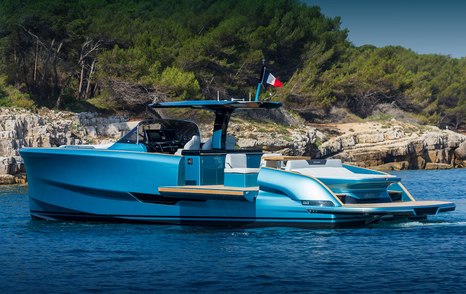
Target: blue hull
(126, 186)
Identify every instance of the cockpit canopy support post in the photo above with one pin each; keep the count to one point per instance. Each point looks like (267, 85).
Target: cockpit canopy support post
(219, 137)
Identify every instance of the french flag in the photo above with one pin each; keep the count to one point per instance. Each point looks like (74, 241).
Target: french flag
(268, 78)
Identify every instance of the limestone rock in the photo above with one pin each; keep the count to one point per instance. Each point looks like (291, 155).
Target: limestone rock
(431, 165)
(7, 179)
(460, 152)
(381, 147)
(13, 179)
(392, 166)
(21, 128)
(10, 165)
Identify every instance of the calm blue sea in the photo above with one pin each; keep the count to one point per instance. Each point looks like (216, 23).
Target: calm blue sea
(68, 257)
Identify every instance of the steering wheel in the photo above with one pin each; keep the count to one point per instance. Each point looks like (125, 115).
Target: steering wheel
(162, 147)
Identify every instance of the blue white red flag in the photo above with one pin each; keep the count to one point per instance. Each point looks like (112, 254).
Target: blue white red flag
(268, 78)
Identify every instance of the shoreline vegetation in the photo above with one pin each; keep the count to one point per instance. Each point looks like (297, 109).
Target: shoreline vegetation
(97, 64)
(113, 56)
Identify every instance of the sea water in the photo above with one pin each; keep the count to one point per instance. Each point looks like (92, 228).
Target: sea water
(72, 257)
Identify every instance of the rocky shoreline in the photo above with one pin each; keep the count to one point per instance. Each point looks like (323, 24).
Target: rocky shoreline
(380, 145)
(391, 145)
(398, 145)
(47, 128)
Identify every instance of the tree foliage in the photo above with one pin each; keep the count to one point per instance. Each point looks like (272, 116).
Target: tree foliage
(125, 53)
(362, 78)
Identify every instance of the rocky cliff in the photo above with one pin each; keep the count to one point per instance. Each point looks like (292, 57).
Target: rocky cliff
(385, 146)
(21, 128)
(388, 145)
(397, 145)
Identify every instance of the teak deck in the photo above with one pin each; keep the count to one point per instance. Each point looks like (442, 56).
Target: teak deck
(210, 192)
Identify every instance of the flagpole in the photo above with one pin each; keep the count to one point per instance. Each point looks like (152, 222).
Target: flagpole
(258, 90)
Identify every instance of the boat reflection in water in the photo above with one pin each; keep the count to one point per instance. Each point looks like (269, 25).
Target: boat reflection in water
(161, 173)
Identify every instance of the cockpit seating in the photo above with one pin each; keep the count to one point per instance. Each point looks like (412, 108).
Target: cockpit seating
(297, 164)
(238, 163)
(193, 144)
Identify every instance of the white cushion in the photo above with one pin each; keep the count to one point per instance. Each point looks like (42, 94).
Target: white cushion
(294, 164)
(236, 161)
(193, 144)
(242, 170)
(208, 144)
(333, 163)
(337, 173)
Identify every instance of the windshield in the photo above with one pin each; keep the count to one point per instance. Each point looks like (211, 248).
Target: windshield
(177, 132)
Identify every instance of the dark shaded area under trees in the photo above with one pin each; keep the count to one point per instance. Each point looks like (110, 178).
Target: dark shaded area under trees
(122, 54)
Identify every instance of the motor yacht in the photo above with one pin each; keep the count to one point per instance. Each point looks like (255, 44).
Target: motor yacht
(161, 173)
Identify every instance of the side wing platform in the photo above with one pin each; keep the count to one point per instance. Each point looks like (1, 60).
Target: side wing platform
(408, 209)
(210, 192)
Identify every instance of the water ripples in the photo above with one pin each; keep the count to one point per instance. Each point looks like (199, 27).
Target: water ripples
(58, 257)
